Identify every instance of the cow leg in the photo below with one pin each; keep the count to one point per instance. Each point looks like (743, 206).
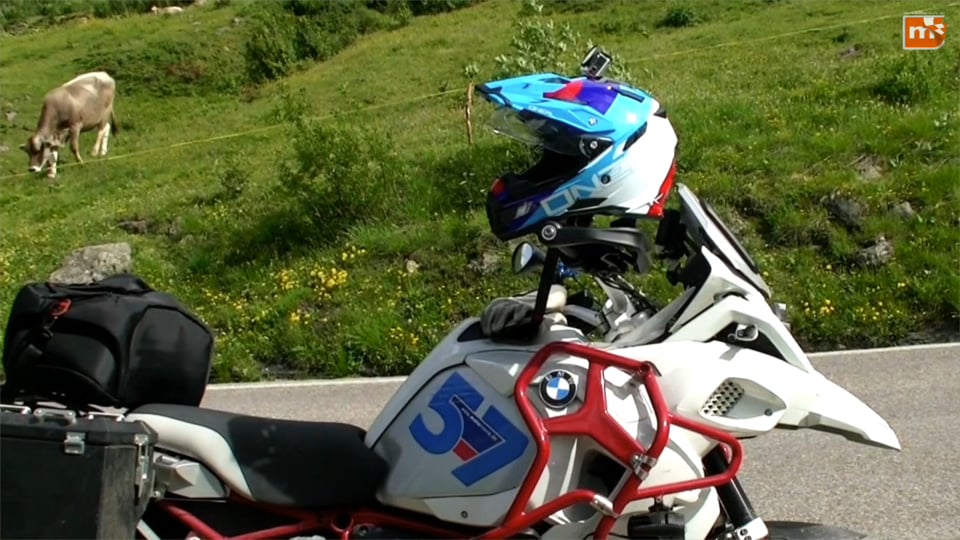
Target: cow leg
(106, 137)
(97, 144)
(52, 169)
(75, 142)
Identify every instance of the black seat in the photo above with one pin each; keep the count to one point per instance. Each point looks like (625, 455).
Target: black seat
(284, 462)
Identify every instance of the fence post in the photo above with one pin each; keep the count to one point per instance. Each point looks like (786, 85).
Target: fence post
(469, 113)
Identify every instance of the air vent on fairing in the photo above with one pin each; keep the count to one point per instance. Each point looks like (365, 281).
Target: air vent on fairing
(723, 399)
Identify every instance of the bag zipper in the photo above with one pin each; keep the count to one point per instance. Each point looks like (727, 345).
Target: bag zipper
(57, 311)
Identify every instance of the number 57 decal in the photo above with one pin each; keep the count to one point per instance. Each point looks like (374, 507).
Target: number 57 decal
(485, 444)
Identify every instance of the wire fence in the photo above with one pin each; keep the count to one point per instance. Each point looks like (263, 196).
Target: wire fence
(262, 129)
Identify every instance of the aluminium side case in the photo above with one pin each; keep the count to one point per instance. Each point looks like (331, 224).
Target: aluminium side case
(64, 475)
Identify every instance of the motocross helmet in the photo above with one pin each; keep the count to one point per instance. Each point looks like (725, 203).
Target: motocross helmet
(605, 148)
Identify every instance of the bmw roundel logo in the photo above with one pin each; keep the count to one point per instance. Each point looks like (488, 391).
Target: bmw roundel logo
(557, 389)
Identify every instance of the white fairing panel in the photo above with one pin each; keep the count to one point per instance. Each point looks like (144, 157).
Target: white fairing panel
(725, 298)
(829, 407)
(748, 393)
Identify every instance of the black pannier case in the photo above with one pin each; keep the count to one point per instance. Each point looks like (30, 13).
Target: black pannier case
(70, 476)
(116, 342)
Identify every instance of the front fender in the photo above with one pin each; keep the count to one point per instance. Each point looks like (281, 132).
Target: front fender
(826, 406)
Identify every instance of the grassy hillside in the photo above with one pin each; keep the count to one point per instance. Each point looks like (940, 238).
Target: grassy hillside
(286, 212)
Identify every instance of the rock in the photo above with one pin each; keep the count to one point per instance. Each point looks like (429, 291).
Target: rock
(135, 226)
(175, 229)
(868, 167)
(878, 254)
(846, 211)
(412, 266)
(93, 263)
(4, 149)
(485, 264)
(850, 52)
(11, 116)
(738, 226)
(903, 211)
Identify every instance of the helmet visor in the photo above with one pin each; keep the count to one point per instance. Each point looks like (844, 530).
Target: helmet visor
(535, 130)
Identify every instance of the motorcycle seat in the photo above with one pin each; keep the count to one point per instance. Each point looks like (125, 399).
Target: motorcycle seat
(269, 460)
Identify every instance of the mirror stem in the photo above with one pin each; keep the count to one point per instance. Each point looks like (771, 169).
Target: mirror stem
(547, 276)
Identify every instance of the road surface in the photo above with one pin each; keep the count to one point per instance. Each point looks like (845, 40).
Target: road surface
(914, 494)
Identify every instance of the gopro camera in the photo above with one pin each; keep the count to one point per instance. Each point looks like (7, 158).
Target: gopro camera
(595, 63)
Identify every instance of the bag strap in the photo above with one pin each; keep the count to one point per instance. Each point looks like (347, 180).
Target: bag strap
(34, 343)
(127, 284)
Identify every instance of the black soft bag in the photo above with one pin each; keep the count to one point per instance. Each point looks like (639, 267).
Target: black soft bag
(116, 342)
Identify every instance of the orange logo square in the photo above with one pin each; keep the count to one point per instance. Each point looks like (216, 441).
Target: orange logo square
(923, 32)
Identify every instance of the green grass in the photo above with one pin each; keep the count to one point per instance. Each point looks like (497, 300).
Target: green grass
(294, 238)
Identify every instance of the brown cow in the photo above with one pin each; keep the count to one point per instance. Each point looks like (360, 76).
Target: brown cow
(80, 105)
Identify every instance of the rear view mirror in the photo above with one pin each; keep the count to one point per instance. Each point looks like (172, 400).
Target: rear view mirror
(525, 257)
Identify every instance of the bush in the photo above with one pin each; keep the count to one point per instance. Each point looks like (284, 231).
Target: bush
(907, 80)
(270, 49)
(539, 44)
(460, 180)
(20, 15)
(168, 68)
(419, 7)
(678, 17)
(338, 176)
(286, 35)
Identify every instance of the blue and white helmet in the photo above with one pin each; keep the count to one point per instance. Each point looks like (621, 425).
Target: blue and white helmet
(607, 148)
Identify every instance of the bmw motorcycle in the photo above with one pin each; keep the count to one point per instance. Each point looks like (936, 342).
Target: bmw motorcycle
(526, 429)
(517, 425)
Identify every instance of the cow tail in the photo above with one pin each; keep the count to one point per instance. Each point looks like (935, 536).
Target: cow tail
(113, 122)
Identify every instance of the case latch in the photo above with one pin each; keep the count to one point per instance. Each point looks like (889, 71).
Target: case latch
(144, 468)
(73, 443)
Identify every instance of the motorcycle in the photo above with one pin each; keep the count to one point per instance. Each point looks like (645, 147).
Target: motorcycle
(521, 427)
(517, 424)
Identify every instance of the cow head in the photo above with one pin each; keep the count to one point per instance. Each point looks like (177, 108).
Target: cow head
(42, 151)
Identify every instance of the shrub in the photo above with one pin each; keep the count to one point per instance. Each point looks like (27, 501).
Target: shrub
(270, 50)
(420, 7)
(539, 44)
(678, 17)
(338, 176)
(286, 35)
(906, 80)
(459, 181)
(20, 15)
(168, 68)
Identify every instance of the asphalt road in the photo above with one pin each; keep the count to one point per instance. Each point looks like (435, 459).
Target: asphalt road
(914, 494)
